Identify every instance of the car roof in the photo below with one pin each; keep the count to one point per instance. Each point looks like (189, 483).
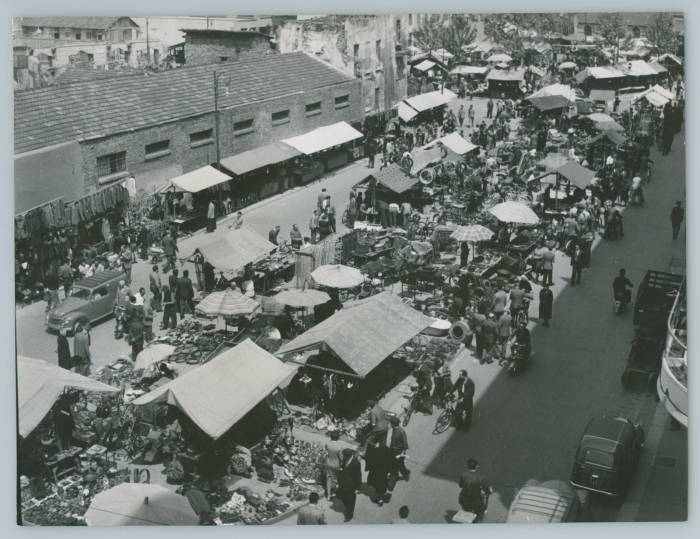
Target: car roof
(606, 432)
(99, 278)
(542, 502)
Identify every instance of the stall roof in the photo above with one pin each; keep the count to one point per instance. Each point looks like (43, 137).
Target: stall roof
(406, 113)
(200, 179)
(602, 72)
(425, 65)
(668, 56)
(602, 95)
(323, 138)
(638, 68)
(553, 161)
(39, 384)
(469, 70)
(364, 332)
(229, 251)
(576, 174)
(655, 99)
(514, 75)
(395, 179)
(430, 100)
(549, 102)
(658, 68)
(267, 155)
(613, 136)
(221, 392)
(457, 144)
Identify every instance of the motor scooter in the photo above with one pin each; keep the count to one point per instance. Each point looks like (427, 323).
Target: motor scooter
(621, 299)
(520, 359)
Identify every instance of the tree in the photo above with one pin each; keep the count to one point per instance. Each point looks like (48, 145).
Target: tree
(612, 30)
(450, 32)
(661, 32)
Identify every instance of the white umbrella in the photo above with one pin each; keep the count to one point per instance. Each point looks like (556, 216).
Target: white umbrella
(302, 298)
(472, 233)
(498, 58)
(514, 212)
(337, 276)
(153, 354)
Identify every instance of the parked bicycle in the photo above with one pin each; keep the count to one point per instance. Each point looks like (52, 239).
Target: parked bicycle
(447, 417)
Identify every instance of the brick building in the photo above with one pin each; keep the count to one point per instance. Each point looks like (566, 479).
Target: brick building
(215, 46)
(160, 125)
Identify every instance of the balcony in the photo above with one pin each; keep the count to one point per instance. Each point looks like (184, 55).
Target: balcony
(673, 378)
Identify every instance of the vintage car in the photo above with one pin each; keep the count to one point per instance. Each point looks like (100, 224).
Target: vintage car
(91, 299)
(544, 503)
(607, 455)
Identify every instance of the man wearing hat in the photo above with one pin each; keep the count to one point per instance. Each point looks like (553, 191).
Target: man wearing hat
(473, 496)
(489, 334)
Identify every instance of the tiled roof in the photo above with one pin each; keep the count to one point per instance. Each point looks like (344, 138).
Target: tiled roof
(97, 23)
(58, 114)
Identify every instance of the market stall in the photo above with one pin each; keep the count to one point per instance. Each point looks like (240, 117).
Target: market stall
(198, 189)
(504, 83)
(332, 140)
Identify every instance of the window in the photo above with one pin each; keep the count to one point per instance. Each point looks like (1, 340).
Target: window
(100, 37)
(100, 293)
(126, 35)
(356, 51)
(242, 128)
(376, 98)
(312, 109)
(223, 58)
(78, 35)
(281, 117)
(56, 34)
(378, 48)
(342, 101)
(111, 164)
(157, 149)
(201, 138)
(89, 35)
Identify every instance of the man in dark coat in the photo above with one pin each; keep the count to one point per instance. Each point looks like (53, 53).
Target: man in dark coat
(184, 293)
(546, 302)
(464, 387)
(379, 464)
(576, 266)
(677, 214)
(398, 444)
(474, 491)
(349, 482)
(64, 357)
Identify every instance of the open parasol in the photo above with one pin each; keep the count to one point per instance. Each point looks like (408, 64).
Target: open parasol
(499, 58)
(514, 212)
(472, 233)
(227, 302)
(153, 354)
(140, 504)
(337, 276)
(302, 298)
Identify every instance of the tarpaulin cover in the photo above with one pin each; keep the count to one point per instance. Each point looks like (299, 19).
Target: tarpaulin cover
(200, 179)
(425, 65)
(469, 70)
(430, 100)
(364, 332)
(498, 58)
(229, 251)
(424, 157)
(406, 113)
(514, 75)
(323, 138)
(267, 155)
(563, 90)
(39, 384)
(549, 102)
(604, 72)
(576, 174)
(457, 144)
(221, 392)
(602, 95)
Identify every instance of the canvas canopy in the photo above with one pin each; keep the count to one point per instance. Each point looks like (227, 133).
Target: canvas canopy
(502, 75)
(425, 65)
(406, 113)
(395, 179)
(425, 157)
(576, 174)
(221, 392)
(604, 72)
(229, 251)
(270, 154)
(638, 68)
(602, 95)
(39, 384)
(364, 332)
(457, 144)
(611, 135)
(549, 102)
(323, 138)
(430, 100)
(200, 179)
(469, 70)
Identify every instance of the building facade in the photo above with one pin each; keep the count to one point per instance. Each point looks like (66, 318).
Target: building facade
(373, 49)
(159, 126)
(636, 24)
(215, 46)
(51, 31)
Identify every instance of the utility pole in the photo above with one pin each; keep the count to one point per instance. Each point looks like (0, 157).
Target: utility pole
(216, 118)
(148, 45)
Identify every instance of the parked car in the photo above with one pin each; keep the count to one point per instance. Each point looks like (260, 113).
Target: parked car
(544, 502)
(91, 300)
(607, 455)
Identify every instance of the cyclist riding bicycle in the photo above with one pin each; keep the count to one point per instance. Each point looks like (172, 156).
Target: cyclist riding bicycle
(620, 285)
(521, 339)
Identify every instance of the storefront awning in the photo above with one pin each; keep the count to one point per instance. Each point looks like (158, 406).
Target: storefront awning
(229, 251)
(457, 144)
(576, 174)
(270, 154)
(200, 179)
(323, 138)
(39, 384)
(430, 100)
(221, 392)
(406, 113)
(364, 333)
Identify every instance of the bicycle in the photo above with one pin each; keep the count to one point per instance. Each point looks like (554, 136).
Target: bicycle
(411, 407)
(522, 314)
(446, 418)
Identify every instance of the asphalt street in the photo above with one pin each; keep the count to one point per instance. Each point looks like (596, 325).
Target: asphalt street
(525, 427)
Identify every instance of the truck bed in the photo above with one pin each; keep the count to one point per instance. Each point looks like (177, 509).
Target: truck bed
(655, 297)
